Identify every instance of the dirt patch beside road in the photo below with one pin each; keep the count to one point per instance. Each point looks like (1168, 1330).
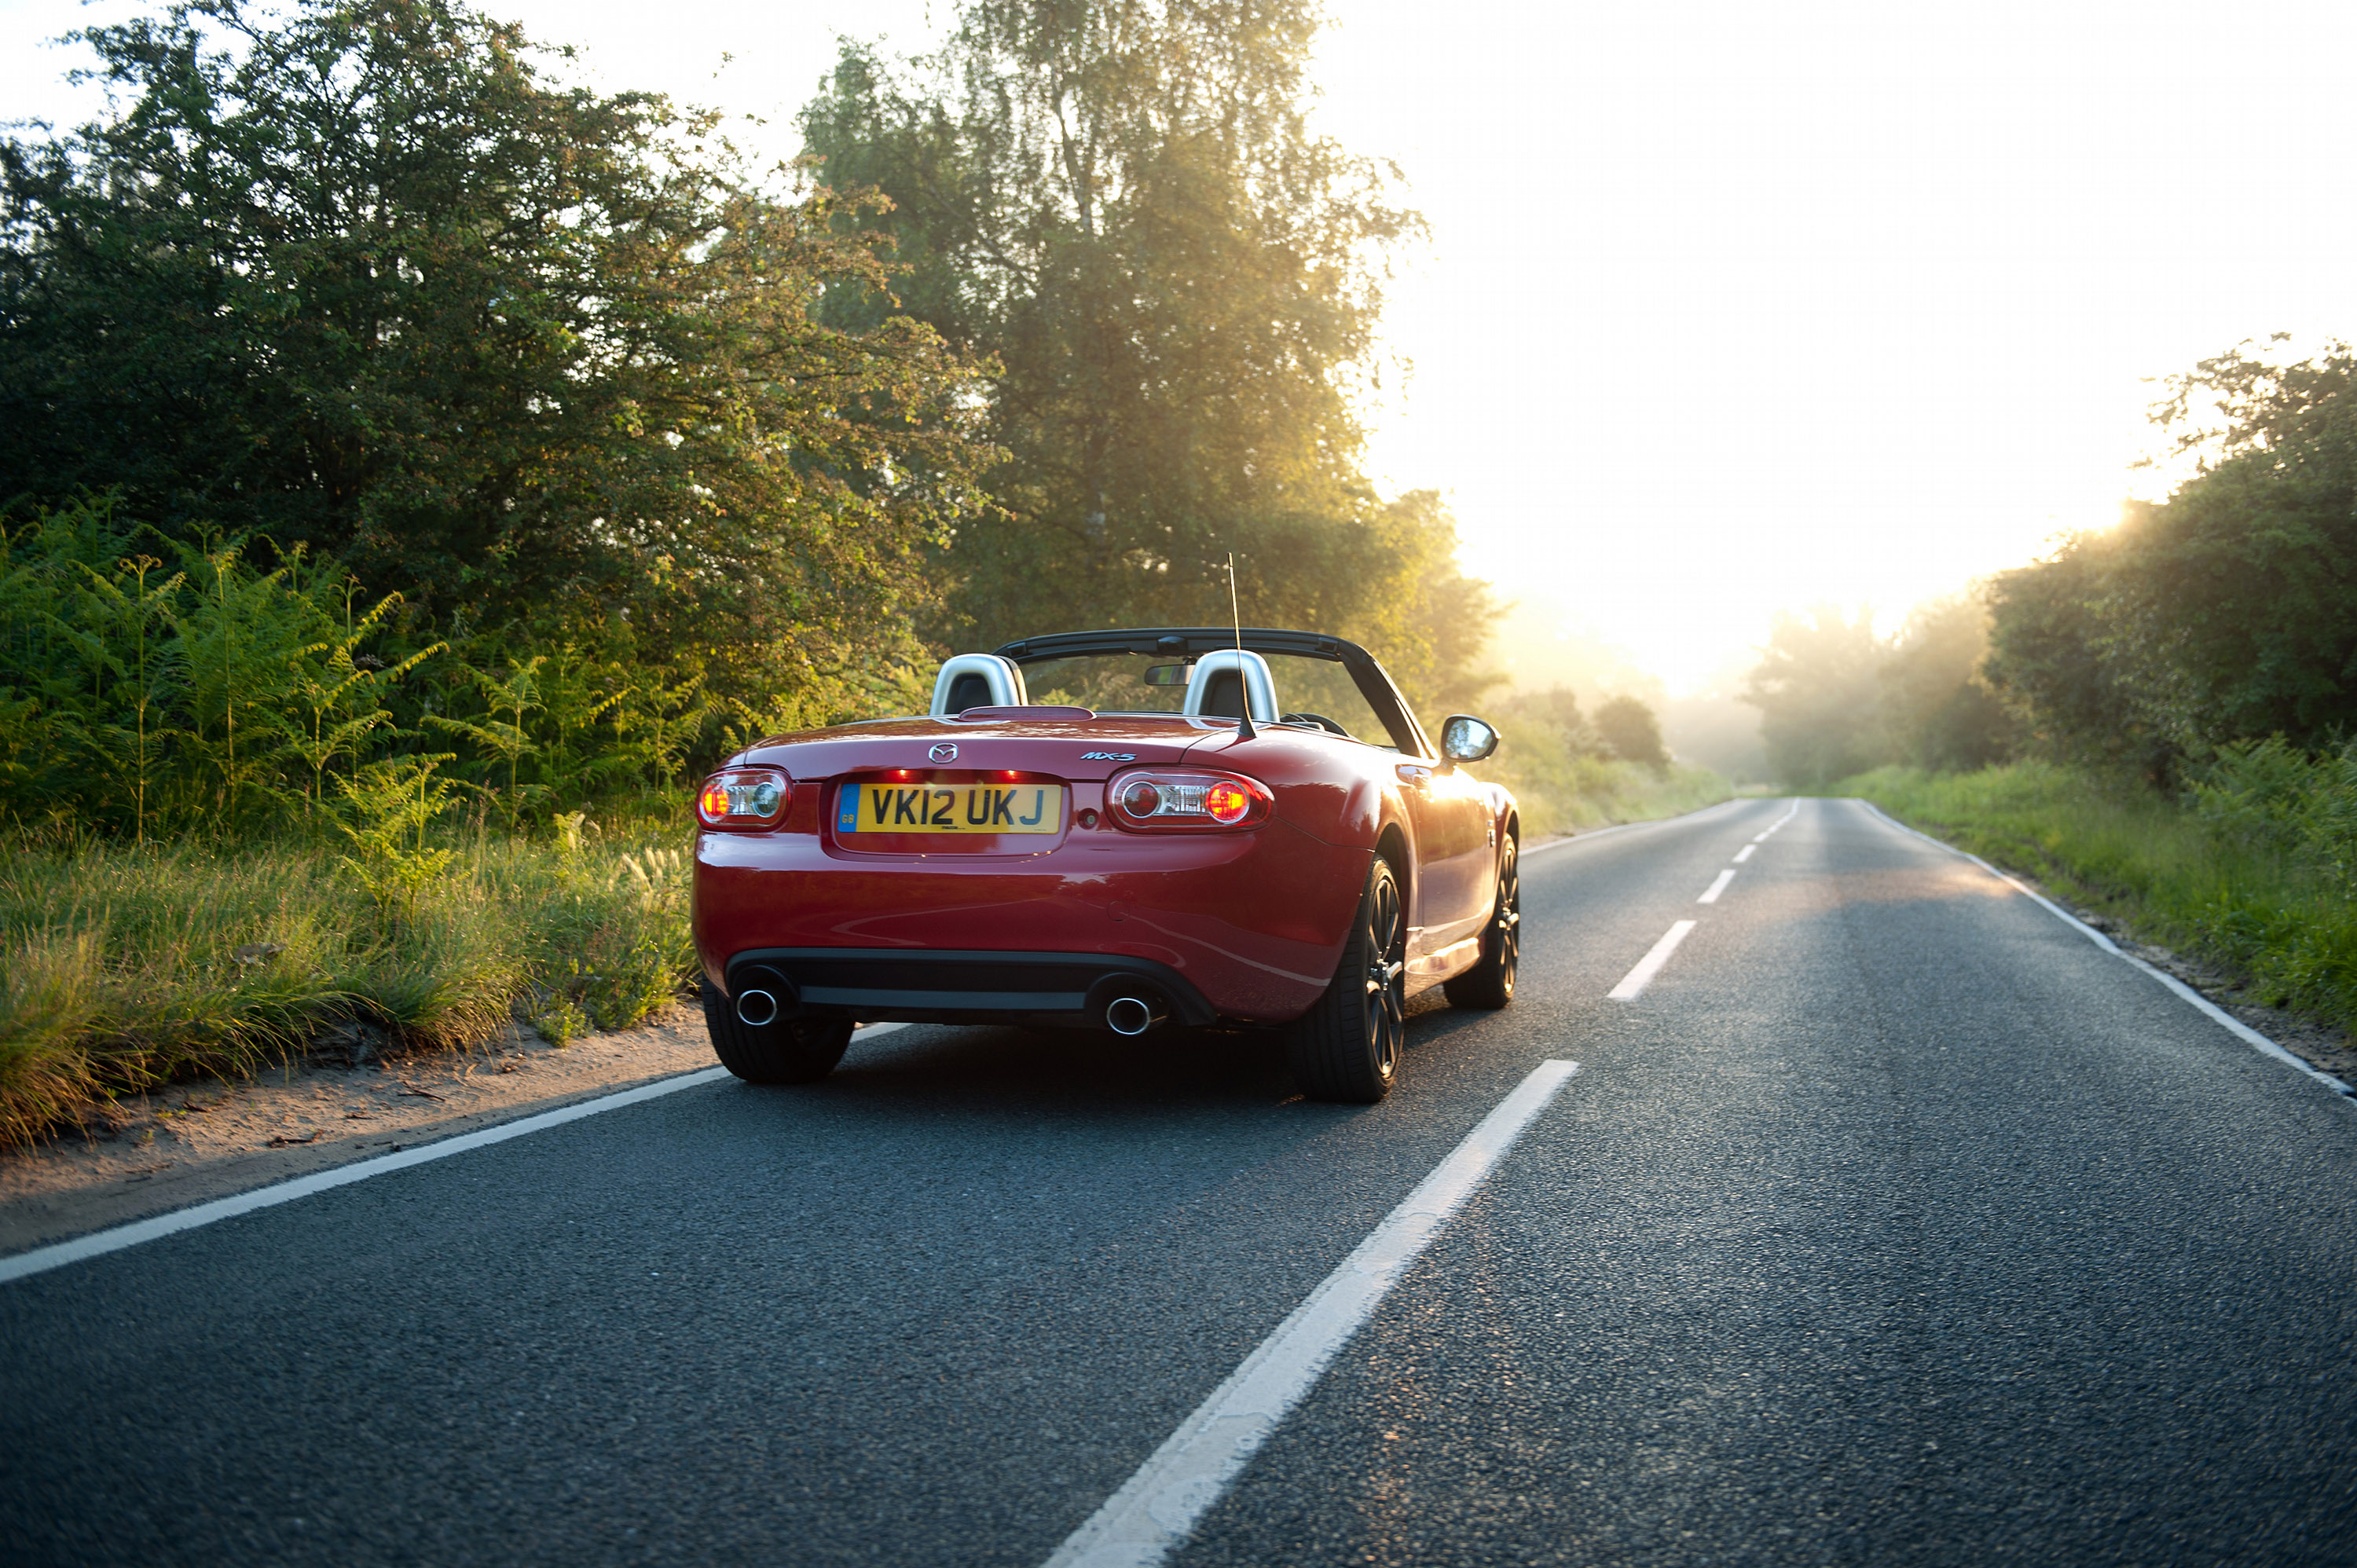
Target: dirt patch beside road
(192, 1142)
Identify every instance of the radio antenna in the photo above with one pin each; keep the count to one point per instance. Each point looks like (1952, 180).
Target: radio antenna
(1243, 686)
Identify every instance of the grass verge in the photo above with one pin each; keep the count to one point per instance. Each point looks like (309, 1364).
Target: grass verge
(2286, 924)
(123, 966)
(1559, 793)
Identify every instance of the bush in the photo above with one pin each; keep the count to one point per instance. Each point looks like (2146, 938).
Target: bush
(1633, 732)
(2272, 794)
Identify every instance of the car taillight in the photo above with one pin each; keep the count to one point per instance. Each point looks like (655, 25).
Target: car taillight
(744, 797)
(1159, 801)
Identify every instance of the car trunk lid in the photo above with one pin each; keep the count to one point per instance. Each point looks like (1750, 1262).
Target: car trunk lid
(1006, 781)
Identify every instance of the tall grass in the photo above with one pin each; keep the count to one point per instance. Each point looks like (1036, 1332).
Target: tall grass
(2235, 873)
(123, 965)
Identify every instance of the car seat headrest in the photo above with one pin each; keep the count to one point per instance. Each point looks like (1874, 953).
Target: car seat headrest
(1221, 681)
(976, 681)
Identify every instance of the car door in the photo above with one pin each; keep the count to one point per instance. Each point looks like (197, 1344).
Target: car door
(1453, 893)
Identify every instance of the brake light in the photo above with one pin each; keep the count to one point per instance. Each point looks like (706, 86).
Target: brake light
(747, 798)
(1158, 801)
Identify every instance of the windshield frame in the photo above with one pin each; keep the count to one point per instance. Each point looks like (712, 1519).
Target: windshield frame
(1188, 643)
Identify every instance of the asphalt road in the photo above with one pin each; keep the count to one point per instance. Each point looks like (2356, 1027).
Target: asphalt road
(1892, 1221)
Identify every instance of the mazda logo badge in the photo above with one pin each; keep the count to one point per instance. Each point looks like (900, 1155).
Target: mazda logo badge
(945, 752)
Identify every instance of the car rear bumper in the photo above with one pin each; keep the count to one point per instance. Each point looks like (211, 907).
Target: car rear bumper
(1248, 925)
(878, 985)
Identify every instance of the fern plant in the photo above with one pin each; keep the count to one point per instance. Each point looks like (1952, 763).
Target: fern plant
(120, 637)
(343, 694)
(385, 809)
(502, 733)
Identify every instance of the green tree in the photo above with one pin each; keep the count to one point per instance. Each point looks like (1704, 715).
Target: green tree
(1393, 584)
(1557, 709)
(368, 279)
(1937, 710)
(2243, 585)
(1817, 687)
(1122, 203)
(1633, 731)
(2079, 692)
(2223, 615)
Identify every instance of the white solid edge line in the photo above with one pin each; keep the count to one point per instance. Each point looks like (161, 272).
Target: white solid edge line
(1715, 888)
(2185, 993)
(1155, 1509)
(1637, 979)
(97, 1244)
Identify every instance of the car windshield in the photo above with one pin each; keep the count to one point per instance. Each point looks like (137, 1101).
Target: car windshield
(1307, 690)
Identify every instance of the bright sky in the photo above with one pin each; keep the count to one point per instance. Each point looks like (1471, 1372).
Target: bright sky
(1734, 306)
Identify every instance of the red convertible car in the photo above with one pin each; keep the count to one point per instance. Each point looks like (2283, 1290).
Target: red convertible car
(1118, 830)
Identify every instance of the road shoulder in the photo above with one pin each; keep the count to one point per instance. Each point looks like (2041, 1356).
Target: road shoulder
(191, 1143)
(2321, 1046)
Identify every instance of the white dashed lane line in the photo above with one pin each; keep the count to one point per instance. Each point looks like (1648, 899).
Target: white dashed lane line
(1637, 979)
(1634, 982)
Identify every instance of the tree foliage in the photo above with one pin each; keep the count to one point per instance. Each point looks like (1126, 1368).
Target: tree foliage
(1816, 688)
(2227, 614)
(369, 394)
(369, 282)
(1935, 708)
(1835, 699)
(1633, 731)
(1120, 203)
(2081, 693)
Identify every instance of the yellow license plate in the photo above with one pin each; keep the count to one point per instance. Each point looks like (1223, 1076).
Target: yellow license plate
(950, 809)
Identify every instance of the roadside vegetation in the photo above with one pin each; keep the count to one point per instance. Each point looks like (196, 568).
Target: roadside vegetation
(2158, 717)
(124, 965)
(2252, 870)
(1569, 772)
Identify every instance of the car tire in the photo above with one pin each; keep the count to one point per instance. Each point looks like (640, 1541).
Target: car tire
(1489, 984)
(1347, 1048)
(786, 1052)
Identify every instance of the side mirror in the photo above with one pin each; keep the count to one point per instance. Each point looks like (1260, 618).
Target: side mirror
(1465, 739)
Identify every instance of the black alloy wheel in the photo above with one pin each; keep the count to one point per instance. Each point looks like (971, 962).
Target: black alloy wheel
(1489, 984)
(801, 1051)
(1347, 1048)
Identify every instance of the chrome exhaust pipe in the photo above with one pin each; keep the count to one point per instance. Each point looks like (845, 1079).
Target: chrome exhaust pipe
(1130, 1017)
(756, 1008)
